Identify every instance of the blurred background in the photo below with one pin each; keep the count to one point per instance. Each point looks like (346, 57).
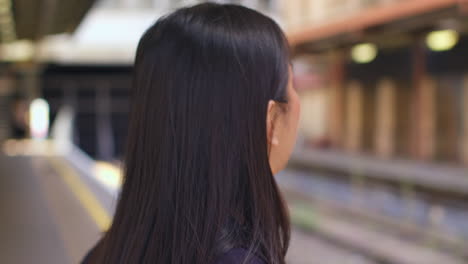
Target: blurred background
(380, 171)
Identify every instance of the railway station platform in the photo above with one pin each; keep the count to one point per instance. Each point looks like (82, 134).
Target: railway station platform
(53, 210)
(429, 176)
(54, 207)
(42, 221)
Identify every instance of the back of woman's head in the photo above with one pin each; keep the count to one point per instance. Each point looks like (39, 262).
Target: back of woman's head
(197, 176)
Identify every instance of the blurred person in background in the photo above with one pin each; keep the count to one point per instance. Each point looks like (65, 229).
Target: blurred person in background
(214, 117)
(19, 117)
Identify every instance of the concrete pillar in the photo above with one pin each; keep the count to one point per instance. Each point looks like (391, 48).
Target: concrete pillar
(293, 14)
(30, 83)
(70, 95)
(314, 120)
(354, 117)
(6, 89)
(336, 96)
(317, 11)
(464, 143)
(427, 119)
(336, 115)
(105, 139)
(384, 140)
(423, 106)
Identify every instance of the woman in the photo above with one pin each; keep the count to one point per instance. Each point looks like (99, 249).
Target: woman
(214, 117)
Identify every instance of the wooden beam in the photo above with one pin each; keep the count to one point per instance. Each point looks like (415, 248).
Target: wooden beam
(370, 17)
(38, 18)
(385, 118)
(464, 143)
(337, 76)
(354, 122)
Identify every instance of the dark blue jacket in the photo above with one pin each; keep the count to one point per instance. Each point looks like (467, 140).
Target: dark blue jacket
(233, 256)
(237, 256)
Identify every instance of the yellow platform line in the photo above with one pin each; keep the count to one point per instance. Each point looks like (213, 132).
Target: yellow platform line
(87, 199)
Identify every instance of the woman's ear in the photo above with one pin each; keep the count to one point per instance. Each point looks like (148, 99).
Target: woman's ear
(272, 136)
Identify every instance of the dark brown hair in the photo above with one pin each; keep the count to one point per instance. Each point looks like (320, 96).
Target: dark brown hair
(197, 176)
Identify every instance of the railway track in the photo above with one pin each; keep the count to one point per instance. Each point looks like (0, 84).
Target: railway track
(379, 237)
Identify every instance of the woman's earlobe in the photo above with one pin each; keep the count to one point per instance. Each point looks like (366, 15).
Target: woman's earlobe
(274, 141)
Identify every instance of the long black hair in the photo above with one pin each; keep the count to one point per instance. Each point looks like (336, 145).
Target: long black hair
(197, 176)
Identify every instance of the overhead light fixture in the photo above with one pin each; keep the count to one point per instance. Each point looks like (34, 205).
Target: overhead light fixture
(442, 40)
(7, 23)
(39, 118)
(364, 53)
(108, 174)
(21, 50)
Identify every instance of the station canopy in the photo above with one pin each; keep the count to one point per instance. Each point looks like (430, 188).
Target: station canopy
(34, 19)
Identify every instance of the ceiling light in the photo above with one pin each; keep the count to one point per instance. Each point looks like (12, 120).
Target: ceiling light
(442, 40)
(364, 53)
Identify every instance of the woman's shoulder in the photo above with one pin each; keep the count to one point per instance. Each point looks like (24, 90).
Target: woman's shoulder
(237, 256)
